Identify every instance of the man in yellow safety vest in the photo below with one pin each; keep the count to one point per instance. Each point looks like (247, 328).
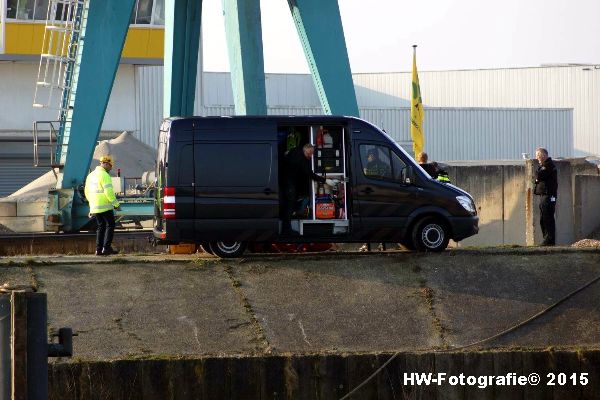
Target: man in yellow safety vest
(101, 196)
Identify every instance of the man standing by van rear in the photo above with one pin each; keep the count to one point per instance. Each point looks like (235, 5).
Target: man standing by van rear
(546, 186)
(101, 196)
(298, 174)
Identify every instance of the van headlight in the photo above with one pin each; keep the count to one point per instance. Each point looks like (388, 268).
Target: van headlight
(467, 203)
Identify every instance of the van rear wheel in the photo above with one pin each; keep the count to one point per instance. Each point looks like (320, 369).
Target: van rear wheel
(227, 249)
(431, 234)
(206, 247)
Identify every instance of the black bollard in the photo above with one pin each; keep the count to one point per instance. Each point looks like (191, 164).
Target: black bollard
(24, 347)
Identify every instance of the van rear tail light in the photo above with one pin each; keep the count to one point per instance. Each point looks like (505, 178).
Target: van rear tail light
(169, 203)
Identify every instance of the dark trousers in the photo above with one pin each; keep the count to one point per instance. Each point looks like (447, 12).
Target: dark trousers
(547, 223)
(106, 229)
(290, 205)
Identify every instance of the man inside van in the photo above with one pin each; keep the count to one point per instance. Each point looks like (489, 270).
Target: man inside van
(375, 167)
(298, 174)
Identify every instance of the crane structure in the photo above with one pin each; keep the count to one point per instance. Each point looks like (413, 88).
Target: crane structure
(82, 49)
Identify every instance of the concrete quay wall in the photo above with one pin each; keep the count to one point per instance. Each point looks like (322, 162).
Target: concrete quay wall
(328, 376)
(509, 211)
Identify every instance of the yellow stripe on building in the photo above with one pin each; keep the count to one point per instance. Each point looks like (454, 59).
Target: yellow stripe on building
(25, 38)
(144, 43)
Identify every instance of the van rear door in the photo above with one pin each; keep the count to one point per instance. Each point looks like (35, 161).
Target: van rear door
(236, 176)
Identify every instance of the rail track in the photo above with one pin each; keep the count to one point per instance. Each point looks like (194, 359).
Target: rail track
(16, 236)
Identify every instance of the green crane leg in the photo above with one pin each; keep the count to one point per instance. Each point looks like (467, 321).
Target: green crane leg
(182, 40)
(244, 42)
(99, 51)
(321, 33)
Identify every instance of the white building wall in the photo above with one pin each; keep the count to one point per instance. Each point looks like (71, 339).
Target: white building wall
(149, 107)
(576, 87)
(451, 133)
(149, 89)
(17, 90)
(136, 102)
(17, 83)
(457, 134)
(295, 90)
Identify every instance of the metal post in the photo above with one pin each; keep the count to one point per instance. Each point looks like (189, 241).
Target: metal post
(3, 11)
(24, 348)
(19, 345)
(5, 369)
(37, 346)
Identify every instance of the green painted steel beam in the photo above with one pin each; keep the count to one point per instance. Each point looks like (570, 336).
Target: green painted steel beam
(244, 42)
(319, 27)
(100, 48)
(182, 41)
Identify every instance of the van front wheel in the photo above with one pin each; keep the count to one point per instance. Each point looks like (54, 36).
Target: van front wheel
(430, 234)
(227, 249)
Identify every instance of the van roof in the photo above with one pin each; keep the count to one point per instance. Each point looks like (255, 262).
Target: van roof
(294, 119)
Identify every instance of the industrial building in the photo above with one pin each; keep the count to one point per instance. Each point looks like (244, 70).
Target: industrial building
(495, 114)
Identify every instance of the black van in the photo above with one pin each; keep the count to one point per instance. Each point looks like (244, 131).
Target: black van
(219, 183)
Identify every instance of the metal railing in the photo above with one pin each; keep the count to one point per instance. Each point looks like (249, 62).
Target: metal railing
(45, 138)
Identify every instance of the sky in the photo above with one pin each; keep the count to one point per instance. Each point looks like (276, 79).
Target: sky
(450, 34)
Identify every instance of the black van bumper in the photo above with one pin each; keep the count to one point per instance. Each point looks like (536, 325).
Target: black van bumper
(464, 227)
(160, 237)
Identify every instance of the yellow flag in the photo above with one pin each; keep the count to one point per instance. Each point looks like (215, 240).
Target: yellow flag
(417, 113)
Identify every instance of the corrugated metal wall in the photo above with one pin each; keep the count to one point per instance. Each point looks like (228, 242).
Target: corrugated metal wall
(381, 95)
(15, 173)
(576, 87)
(453, 134)
(496, 134)
(296, 90)
(16, 166)
(149, 103)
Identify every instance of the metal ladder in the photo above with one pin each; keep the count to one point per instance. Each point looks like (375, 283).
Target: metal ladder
(57, 76)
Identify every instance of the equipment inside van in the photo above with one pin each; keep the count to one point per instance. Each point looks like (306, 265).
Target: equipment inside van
(221, 183)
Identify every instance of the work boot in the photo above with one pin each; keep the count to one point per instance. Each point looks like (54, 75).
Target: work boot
(107, 251)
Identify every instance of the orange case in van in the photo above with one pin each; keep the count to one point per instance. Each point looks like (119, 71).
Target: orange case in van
(325, 210)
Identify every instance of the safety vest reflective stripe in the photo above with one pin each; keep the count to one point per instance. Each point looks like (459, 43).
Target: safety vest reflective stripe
(95, 209)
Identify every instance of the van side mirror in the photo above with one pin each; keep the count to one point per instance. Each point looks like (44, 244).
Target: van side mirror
(408, 175)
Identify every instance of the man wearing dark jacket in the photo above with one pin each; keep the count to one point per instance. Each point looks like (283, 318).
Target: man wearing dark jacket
(298, 174)
(432, 168)
(546, 186)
